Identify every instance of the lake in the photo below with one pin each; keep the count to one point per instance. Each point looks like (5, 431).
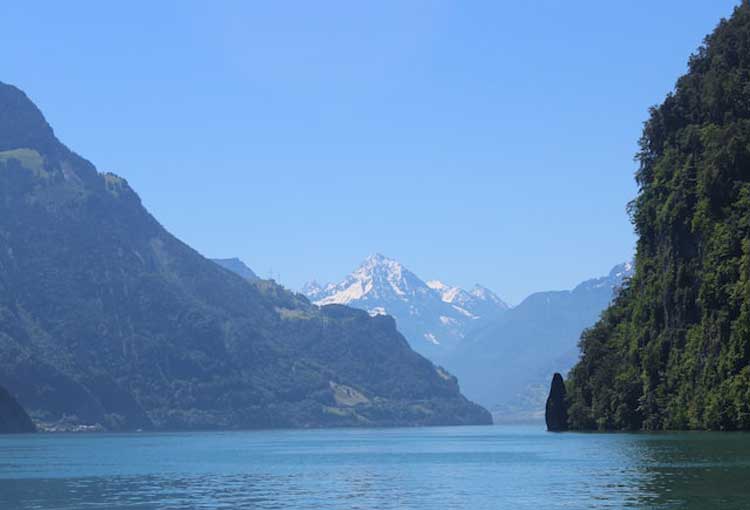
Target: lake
(514, 467)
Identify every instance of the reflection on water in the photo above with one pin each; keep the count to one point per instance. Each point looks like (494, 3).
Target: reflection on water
(472, 468)
(694, 470)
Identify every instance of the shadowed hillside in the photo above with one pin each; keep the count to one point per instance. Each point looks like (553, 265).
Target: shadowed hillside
(106, 318)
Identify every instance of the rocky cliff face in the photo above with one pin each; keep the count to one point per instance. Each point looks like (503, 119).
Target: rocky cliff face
(106, 318)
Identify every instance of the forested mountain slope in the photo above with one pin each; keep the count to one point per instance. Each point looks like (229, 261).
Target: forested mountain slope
(673, 351)
(106, 318)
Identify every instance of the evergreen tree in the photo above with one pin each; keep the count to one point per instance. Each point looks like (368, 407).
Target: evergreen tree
(673, 350)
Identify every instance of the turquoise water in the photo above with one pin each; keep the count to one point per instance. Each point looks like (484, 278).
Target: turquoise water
(432, 468)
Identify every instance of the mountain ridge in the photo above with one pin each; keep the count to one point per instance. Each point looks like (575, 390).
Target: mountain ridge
(108, 319)
(505, 364)
(434, 317)
(238, 267)
(505, 355)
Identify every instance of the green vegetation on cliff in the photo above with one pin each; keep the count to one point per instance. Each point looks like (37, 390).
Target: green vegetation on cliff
(673, 351)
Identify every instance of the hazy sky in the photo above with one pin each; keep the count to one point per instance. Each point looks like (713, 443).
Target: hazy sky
(480, 141)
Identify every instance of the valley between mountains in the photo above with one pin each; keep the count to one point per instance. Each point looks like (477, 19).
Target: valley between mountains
(109, 322)
(503, 356)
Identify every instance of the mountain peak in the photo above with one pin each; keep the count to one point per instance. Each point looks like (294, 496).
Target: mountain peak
(426, 312)
(614, 279)
(483, 293)
(379, 260)
(311, 288)
(474, 299)
(622, 271)
(22, 124)
(376, 277)
(436, 285)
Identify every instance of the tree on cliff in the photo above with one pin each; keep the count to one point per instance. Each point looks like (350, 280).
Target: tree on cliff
(673, 351)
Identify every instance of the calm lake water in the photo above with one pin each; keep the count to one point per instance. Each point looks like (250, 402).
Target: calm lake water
(433, 468)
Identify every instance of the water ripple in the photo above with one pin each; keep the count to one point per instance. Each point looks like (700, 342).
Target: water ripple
(451, 468)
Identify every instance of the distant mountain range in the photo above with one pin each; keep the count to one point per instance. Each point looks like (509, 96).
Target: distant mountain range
(108, 320)
(433, 316)
(238, 267)
(503, 357)
(507, 363)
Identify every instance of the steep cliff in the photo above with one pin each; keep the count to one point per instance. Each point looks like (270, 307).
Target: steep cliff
(673, 351)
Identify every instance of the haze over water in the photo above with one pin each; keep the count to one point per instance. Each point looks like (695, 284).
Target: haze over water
(428, 468)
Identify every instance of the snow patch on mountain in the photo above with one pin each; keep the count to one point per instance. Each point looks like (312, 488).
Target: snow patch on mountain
(429, 313)
(616, 277)
(448, 321)
(431, 338)
(469, 303)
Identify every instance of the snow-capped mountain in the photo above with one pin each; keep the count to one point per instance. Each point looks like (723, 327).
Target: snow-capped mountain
(477, 302)
(377, 278)
(433, 316)
(614, 279)
(501, 355)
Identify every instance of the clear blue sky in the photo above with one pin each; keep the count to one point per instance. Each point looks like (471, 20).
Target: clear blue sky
(481, 141)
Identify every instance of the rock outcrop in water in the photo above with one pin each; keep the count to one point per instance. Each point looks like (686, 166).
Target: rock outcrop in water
(13, 418)
(556, 413)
